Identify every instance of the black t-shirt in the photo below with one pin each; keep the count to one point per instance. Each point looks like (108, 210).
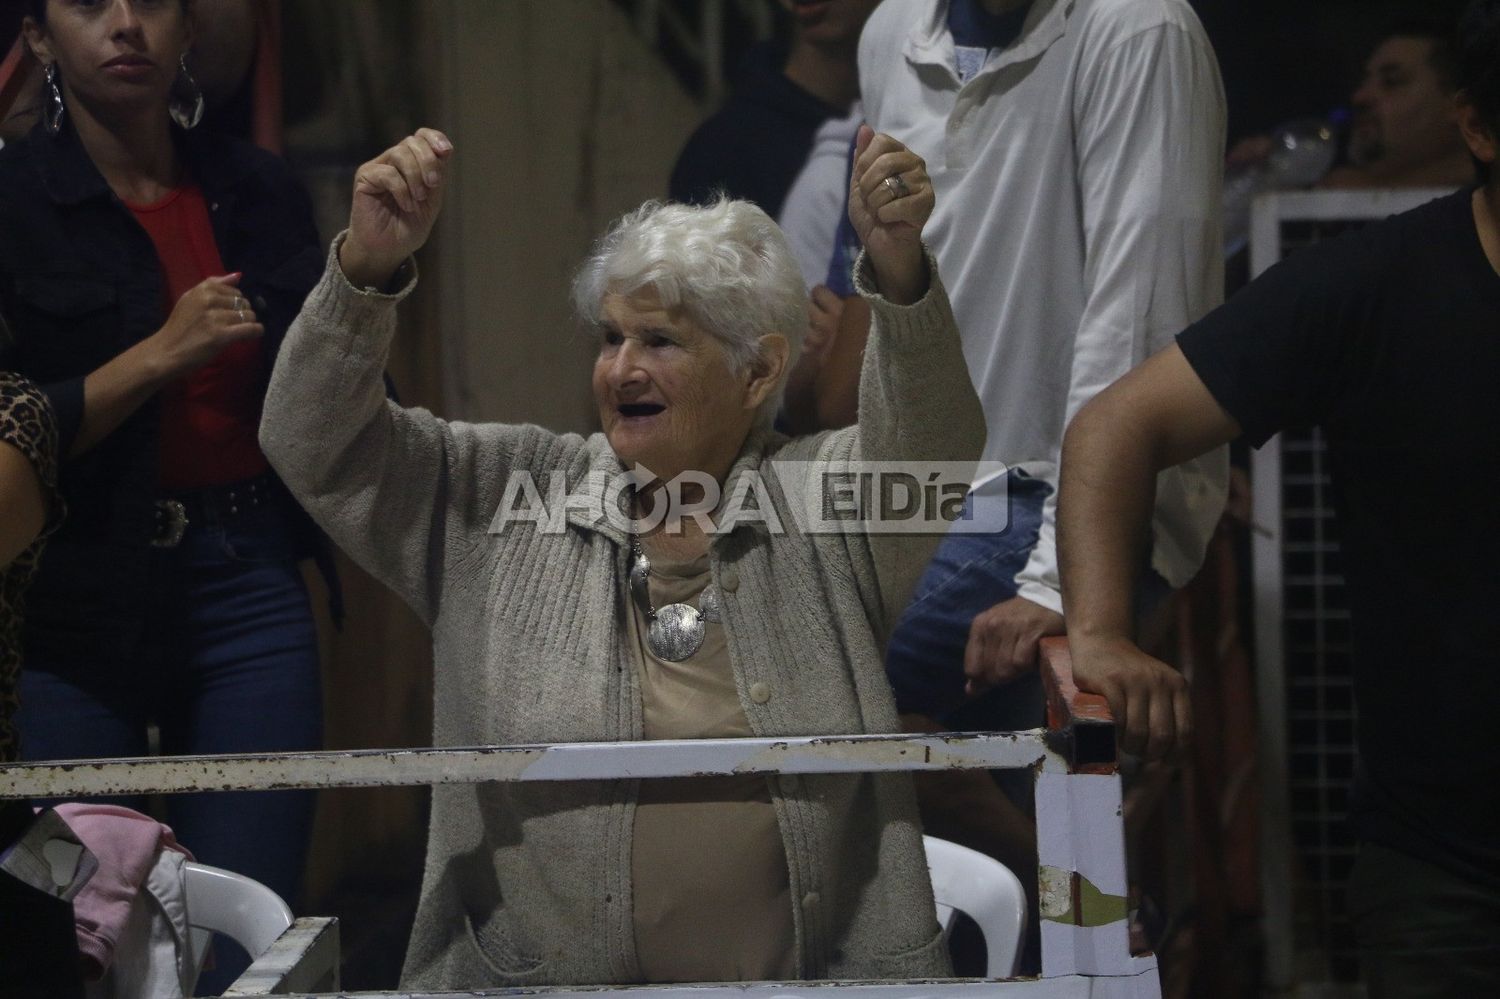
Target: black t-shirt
(755, 146)
(1389, 339)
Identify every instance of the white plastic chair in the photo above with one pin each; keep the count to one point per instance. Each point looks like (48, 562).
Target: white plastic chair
(244, 910)
(985, 890)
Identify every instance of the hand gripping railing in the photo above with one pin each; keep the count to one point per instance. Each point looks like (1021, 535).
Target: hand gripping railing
(1080, 833)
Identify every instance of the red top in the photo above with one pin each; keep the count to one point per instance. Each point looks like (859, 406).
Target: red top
(209, 417)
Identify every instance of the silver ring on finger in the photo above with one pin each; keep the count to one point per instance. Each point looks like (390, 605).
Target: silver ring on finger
(897, 186)
(241, 314)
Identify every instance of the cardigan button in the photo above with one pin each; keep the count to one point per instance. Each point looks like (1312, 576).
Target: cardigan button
(811, 899)
(729, 579)
(760, 693)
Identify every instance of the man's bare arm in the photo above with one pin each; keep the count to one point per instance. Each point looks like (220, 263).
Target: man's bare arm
(1157, 416)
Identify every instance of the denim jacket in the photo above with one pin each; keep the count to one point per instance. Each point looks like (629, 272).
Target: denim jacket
(80, 282)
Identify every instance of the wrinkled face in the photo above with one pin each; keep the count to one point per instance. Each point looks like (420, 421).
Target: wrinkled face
(117, 54)
(830, 22)
(667, 395)
(1402, 116)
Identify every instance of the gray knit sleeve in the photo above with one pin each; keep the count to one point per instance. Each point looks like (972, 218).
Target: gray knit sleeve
(916, 403)
(406, 494)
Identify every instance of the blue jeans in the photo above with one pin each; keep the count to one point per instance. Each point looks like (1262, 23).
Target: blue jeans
(228, 664)
(970, 573)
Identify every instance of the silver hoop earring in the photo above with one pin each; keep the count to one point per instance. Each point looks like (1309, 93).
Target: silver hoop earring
(53, 108)
(186, 104)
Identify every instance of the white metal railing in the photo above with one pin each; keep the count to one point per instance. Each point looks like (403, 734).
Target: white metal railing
(550, 762)
(1080, 834)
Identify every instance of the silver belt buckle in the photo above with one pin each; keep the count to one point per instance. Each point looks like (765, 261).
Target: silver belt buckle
(171, 523)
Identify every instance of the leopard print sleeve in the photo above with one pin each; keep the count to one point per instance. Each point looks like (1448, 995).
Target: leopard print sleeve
(27, 424)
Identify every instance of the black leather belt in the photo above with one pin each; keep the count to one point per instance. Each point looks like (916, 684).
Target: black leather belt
(211, 504)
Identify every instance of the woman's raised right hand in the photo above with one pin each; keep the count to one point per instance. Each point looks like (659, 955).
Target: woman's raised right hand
(397, 198)
(207, 318)
(890, 200)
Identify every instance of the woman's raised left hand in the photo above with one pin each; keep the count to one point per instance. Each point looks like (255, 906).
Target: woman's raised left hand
(397, 198)
(890, 200)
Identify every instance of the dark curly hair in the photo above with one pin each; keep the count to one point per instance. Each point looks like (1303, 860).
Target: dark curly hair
(1479, 65)
(1439, 32)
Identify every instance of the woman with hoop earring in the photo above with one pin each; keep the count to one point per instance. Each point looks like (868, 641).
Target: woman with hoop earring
(152, 269)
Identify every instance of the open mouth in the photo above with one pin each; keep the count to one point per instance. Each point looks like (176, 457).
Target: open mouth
(635, 410)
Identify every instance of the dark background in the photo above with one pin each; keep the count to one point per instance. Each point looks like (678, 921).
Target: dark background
(1281, 59)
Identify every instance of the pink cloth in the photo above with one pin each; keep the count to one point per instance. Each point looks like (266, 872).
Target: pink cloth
(126, 844)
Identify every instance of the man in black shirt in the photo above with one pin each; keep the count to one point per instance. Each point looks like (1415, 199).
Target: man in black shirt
(1389, 339)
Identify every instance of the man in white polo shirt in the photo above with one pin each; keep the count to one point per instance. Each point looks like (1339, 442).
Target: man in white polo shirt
(1075, 147)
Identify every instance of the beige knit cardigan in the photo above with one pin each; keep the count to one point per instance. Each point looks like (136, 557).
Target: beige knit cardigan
(529, 883)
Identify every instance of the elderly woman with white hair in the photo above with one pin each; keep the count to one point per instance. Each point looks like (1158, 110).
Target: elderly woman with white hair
(583, 627)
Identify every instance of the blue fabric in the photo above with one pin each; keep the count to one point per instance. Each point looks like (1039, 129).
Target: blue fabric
(228, 664)
(976, 33)
(970, 573)
(974, 27)
(846, 243)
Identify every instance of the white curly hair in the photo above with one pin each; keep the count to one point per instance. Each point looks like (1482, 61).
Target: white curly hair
(725, 264)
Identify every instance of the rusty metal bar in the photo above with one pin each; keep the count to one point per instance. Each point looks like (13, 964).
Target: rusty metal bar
(559, 761)
(1080, 725)
(1068, 987)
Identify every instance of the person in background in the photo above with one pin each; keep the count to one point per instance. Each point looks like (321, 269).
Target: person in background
(148, 272)
(1385, 338)
(754, 147)
(226, 36)
(1068, 265)
(1404, 131)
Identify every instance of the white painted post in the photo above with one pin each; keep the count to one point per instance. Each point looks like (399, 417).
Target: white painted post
(1080, 832)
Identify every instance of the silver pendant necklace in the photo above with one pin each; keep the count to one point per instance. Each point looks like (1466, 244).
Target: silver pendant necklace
(675, 631)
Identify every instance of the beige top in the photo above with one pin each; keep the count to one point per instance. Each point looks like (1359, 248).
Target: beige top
(712, 900)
